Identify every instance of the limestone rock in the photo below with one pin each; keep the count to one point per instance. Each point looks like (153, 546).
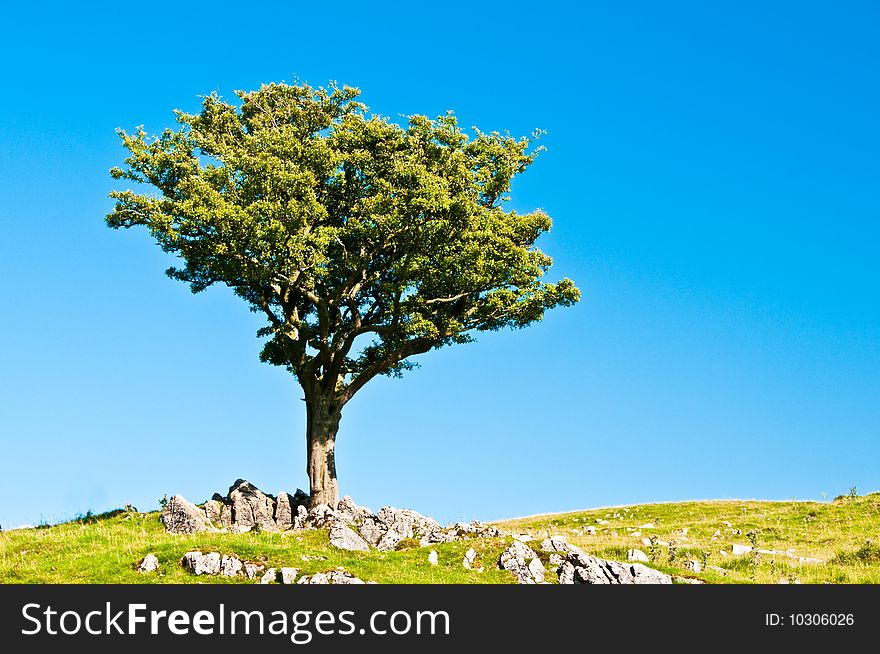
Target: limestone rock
(288, 575)
(469, 558)
(270, 577)
(518, 559)
(251, 570)
(332, 577)
(350, 513)
(581, 568)
(182, 517)
(251, 507)
(230, 566)
(739, 550)
(284, 511)
(636, 555)
(148, 564)
(432, 557)
(202, 564)
(346, 538)
(559, 545)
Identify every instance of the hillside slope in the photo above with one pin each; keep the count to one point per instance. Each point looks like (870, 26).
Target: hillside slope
(791, 542)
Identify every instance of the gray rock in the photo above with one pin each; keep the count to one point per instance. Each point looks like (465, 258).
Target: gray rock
(469, 558)
(585, 569)
(536, 569)
(182, 517)
(432, 557)
(288, 575)
(251, 570)
(148, 564)
(202, 564)
(320, 516)
(518, 559)
(270, 577)
(556, 560)
(284, 511)
(345, 538)
(214, 512)
(637, 555)
(230, 566)
(693, 565)
(739, 550)
(332, 577)
(350, 513)
(251, 507)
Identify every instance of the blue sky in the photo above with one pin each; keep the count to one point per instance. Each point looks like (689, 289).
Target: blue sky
(712, 172)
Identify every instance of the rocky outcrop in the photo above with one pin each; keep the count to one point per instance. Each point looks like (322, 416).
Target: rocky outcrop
(332, 577)
(352, 527)
(345, 538)
(522, 561)
(580, 568)
(202, 564)
(182, 517)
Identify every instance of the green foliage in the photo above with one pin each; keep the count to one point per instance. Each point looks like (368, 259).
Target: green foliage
(362, 242)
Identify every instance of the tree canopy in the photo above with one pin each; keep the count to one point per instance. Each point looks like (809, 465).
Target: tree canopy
(361, 241)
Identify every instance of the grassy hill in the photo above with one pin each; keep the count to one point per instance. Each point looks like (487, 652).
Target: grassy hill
(794, 542)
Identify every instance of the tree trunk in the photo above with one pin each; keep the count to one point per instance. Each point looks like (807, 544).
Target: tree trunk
(322, 423)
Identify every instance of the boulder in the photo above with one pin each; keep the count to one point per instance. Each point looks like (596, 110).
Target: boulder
(251, 570)
(518, 559)
(432, 557)
(332, 577)
(345, 538)
(270, 577)
(559, 545)
(202, 564)
(350, 513)
(251, 507)
(148, 564)
(637, 555)
(284, 511)
(739, 550)
(579, 568)
(182, 517)
(469, 558)
(230, 566)
(288, 575)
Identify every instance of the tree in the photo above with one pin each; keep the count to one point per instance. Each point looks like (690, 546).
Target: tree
(362, 242)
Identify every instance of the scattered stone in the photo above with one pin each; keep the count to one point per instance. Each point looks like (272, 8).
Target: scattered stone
(558, 544)
(647, 525)
(251, 570)
(536, 569)
(589, 530)
(693, 565)
(230, 566)
(202, 564)
(345, 538)
(270, 577)
(646, 542)
(288, 575)
(518, 559)
(469, 558)
(727, 524)
(522, 538)
(182, 517)
(637, 555)
(715, 568)
(432, 557)
(636, 534)
(148, 564)
(739, 550)
(689, 580)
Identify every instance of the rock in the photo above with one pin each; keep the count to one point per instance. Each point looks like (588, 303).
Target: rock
(201, 564)
(320, 516)
(589, 530)
(251, 507)
(284, 511)
(469, 558)
(647, 525)
(182, 517)
(523, 538)
(739, 550)
(693, 566)
(585, 569)
(288, 575)
(518, 559)
(371, 530)
(350, 513)
(637, 555)
(251, 570)
(270, 577)
(346, 538)
(148, 564)
(230, 566)
(432, 557)
(536, 569)
(332, 577)
(556, 560)
(646, 542)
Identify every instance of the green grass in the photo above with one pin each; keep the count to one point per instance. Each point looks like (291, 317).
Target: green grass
(105, 549)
